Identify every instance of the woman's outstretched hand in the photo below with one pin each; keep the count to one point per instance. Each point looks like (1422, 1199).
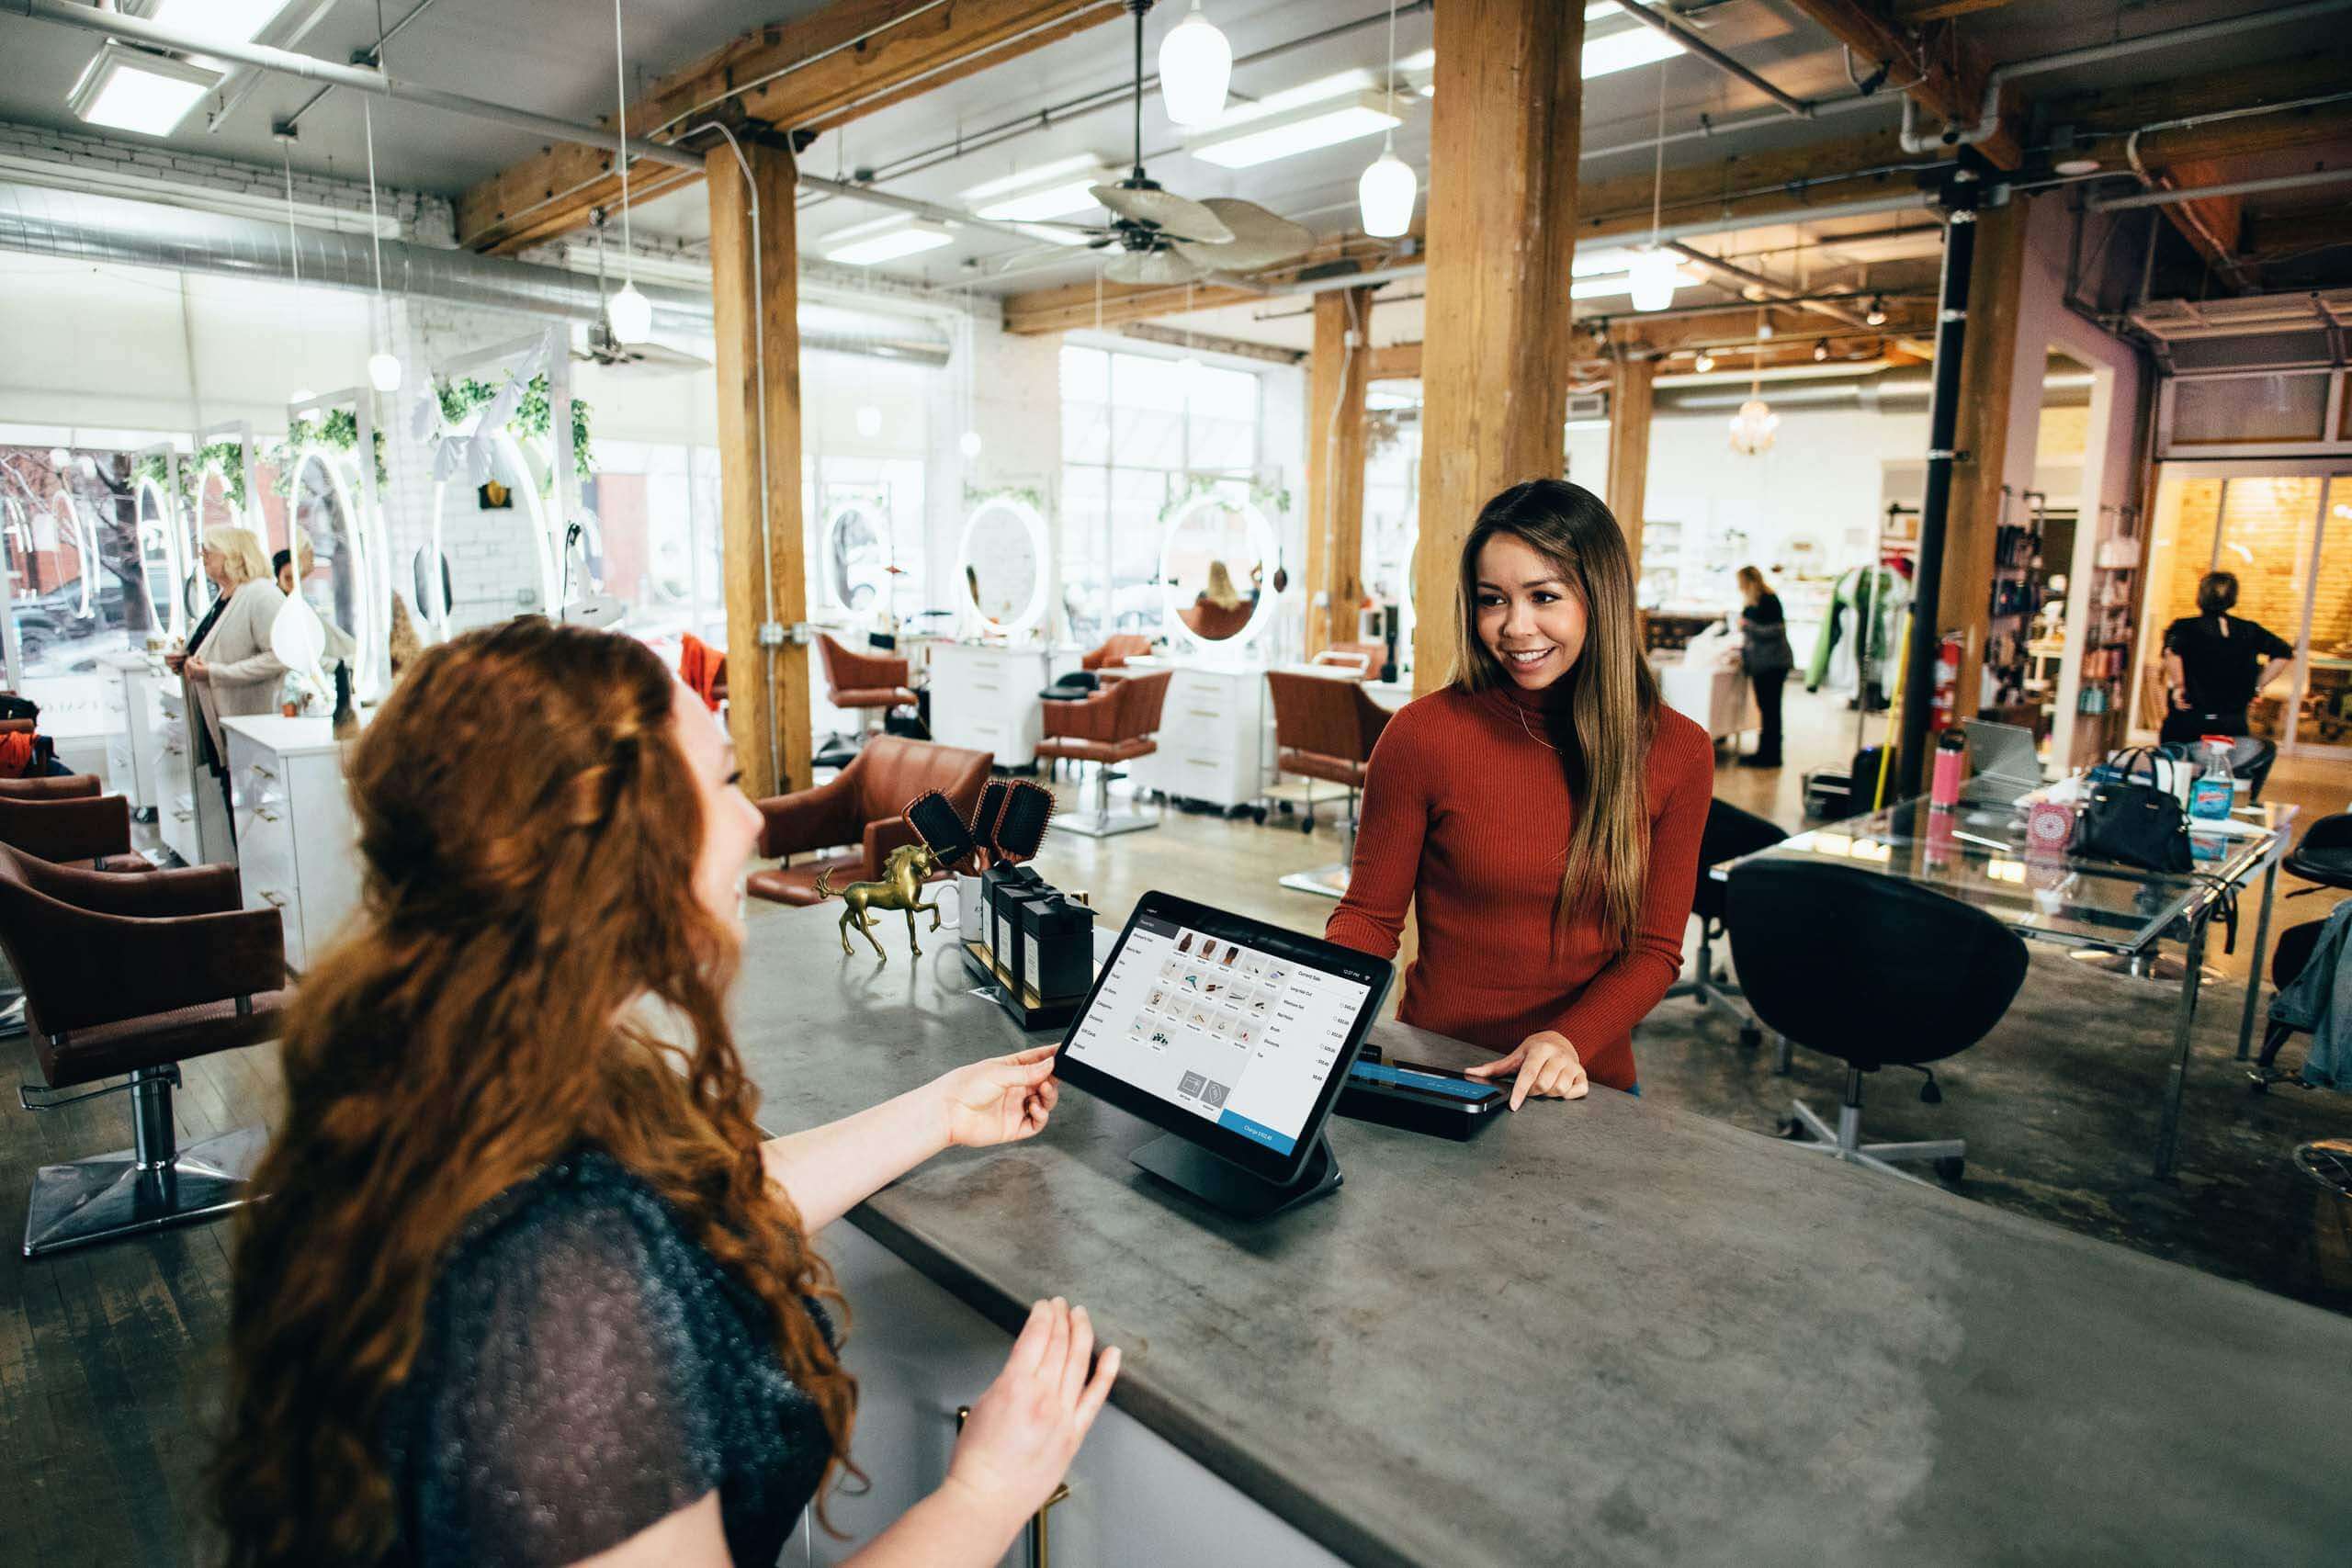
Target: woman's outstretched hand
(1000, 1101)
(1025, 1429)
(1545, 1066)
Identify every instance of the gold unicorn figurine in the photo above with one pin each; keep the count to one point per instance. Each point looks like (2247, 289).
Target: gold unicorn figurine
(901, 889)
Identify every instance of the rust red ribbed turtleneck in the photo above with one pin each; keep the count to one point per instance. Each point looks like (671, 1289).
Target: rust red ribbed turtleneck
(1466, 815)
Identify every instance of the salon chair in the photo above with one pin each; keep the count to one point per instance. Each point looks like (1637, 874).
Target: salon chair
(66, 820)
(1216, 623)
(863, 806)
(1361, 658)
(1875, 972)
(1115, 651)
(134, 973)
(2323, 855)
(1729, 834)
(862, 684)
(1325, 728)
(1115, 725)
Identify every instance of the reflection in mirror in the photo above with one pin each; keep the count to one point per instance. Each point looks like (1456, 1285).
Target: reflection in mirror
(429, 576)
(1215, 559)
(1004, 564)
(158, 561)
(856, 556)
(329, 565)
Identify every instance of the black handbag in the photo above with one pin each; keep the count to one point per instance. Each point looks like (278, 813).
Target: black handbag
(2135, 823)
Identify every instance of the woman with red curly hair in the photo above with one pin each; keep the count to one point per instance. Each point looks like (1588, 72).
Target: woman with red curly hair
(528, 1287)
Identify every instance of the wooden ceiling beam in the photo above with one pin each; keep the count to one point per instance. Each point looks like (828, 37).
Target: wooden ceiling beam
(1397, 361)
(1951, 71)
(1734, 326)
(812, 75)
(2102, 121)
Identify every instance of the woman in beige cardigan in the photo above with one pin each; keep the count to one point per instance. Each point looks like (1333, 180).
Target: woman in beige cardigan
(229, 667)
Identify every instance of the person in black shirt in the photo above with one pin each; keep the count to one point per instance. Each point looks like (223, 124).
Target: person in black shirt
(2216, 663)
(1765, 654)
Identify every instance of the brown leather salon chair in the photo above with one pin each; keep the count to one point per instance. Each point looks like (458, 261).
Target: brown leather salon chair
(864, 807)
(1325, 728)
(1362, 659)
(66, 820)
(863, 684)
(133, 974)
(1115, 651)
(1115, 724)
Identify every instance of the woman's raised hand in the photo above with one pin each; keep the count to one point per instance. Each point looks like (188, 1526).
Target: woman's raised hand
(1025, 1429)
(1000, 1101)
(1545, 1066)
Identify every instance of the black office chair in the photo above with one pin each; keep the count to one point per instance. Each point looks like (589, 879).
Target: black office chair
(1729, 834)
(2289, 957)
(2323, 855)
(1876, 972)
(2250, 759)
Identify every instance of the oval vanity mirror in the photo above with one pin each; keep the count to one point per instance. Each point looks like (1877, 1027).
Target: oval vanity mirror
(158, 559)
(330, 566)
(1003, 559)
(857, 555)
(1215, 558)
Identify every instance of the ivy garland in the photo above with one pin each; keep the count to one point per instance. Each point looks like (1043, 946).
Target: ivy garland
(229, 454)
(338, 431)
(1029, 494)
(1268, 498)
(534, 414)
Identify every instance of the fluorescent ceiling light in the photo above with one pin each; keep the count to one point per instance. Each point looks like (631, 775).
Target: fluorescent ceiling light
(890, 240)
(1623, 283)
(124, 89)
(1262, 139)
(1056, 190)
(233, 21)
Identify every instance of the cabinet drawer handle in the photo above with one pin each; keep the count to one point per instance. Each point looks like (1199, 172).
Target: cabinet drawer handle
(275, 901)
(261, 772)
(1205, 713)
(179, 816)
(1198, 762)
(264, 814)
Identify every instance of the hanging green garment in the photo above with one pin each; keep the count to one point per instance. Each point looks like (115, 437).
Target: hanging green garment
(1875, 597)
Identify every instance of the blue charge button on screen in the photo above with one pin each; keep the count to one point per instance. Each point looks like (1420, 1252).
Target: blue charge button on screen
(1257, 1133)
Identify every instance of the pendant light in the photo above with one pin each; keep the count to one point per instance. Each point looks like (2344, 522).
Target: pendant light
(1655, 271)
(1388, 187)
(383, 366)
(632, 313)
(1752, 427)
(294, 253)
(969, 441)
(1195, 66)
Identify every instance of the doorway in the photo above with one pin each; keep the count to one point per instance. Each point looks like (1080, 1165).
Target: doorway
(2272, 524)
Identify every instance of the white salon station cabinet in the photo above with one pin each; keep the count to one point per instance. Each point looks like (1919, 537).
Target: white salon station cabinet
(135, 729)
(984, 695)
(296, 840)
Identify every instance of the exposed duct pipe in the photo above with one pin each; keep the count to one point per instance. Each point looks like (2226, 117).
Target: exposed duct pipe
(1689, 38)
(74, 226)
(2162, 198)
(286, 62)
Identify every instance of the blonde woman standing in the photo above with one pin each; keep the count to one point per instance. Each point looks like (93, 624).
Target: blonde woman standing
(229, 667)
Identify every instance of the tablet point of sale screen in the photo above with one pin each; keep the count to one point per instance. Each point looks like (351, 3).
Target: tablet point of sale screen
(1237, 1036)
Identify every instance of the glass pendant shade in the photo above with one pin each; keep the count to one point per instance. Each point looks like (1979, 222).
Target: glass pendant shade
(1387, 194)
(384, 372)
(632, 315)
(968, 444)
(1195, 64)
(1752, 428)
(1654, 275)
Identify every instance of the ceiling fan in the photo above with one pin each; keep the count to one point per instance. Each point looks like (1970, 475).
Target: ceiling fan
(605, 348)
(1166, 238)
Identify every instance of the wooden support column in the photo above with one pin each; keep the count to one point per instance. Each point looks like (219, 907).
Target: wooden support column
(1631, 381)
(1336, 377)
(1987, 382)
(1502, 207)
(754, 286)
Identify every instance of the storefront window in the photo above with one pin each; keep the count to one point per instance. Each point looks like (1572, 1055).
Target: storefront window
(1137, 432)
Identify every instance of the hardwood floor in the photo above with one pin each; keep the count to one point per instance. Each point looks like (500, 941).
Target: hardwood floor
(110, 1358)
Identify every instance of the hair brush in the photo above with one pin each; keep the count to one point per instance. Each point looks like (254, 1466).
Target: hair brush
(984, 815)
(949, 838)
(1020, 828)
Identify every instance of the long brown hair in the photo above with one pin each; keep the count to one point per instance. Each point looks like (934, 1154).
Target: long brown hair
(1603, 713)
(530, 829)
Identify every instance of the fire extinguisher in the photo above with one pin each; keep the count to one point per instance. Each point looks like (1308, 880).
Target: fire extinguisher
(1939, 711)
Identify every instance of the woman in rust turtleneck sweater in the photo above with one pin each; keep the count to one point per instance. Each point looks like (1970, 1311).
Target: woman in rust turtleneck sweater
(1542, 814)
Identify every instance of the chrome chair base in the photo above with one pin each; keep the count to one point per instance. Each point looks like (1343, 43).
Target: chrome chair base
(114, 1195)
(1845, 1142)
(1711, 988)
(1099, 821)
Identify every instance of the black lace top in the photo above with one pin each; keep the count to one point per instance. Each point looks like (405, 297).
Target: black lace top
(587, 1370)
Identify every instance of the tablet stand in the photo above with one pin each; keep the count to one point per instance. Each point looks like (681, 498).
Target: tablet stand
(1223, 1185)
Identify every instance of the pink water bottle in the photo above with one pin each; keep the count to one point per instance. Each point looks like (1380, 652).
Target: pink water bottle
(1943, 791)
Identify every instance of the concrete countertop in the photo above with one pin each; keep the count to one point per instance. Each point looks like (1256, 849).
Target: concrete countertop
(1602, 1332)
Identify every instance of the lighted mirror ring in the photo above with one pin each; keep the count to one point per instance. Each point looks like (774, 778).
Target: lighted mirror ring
(1033, 523)
(836, 591)
(534, 505)
(1261, 540)
(84, 537)
(341, 473)
(164, 527)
